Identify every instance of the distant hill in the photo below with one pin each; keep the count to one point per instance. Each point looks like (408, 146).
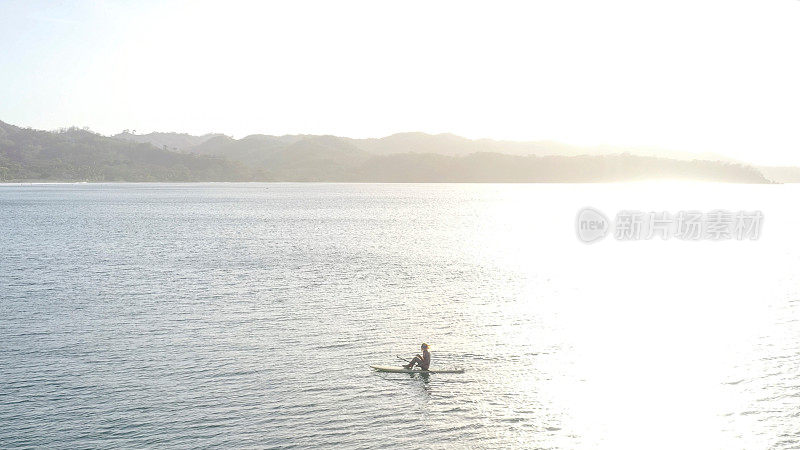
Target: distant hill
(172, 141)
(80, 155)
(442, 144)
(299, 158)
(452, 145)
(781, 174)
(495, 167)
(415, 142)
(446, 157)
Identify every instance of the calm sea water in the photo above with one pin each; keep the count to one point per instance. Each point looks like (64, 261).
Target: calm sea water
(220, 315)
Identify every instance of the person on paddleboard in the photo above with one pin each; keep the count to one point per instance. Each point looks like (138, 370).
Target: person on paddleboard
(422, 361)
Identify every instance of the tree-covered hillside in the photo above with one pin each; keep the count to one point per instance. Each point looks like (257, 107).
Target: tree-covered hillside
(80, 155)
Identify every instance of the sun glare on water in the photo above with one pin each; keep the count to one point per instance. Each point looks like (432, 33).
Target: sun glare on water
(652, 336)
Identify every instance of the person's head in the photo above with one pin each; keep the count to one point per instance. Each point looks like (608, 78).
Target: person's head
(424, 346)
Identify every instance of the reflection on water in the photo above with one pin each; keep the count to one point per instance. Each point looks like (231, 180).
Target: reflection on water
(247, 314)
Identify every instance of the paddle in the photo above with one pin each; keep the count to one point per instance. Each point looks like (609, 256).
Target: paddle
(403, 359)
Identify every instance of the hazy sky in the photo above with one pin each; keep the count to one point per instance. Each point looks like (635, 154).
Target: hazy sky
(720, 76)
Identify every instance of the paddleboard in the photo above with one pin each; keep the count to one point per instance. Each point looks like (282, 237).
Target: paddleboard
(395, 369)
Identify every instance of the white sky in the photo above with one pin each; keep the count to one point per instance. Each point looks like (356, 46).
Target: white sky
(706, 76)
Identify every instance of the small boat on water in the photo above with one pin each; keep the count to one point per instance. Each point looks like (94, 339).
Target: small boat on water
(394, 369)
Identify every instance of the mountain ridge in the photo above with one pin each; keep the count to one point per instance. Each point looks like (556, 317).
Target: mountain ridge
(80, 155)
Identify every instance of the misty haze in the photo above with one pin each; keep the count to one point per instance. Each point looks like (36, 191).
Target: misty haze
(361, 224)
